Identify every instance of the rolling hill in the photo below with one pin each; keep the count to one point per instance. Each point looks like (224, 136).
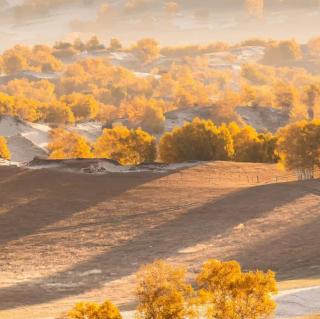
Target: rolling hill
(67, 236)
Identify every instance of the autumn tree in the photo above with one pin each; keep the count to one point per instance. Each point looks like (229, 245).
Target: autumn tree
(198, 140)
(68, 145)
(287, 97)
(146, 50)
(6, 104)
(14, 61)
(92, 310)
(312, 98)
(126, 146)
(57, 113)
(250, 146)
(299, 148)
(282, 52)
(27, 109)
(83, 106)
(228, 292)
(313, 46)
(4, 150)
(153, 120)
(43, 90)
(94, 44)
(115, 45)
(163, 292)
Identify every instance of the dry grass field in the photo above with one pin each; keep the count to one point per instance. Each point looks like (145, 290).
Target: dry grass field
(67, 236)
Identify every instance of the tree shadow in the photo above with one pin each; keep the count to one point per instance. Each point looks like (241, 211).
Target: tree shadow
(293, 254)
(68, 193)
(188, 229)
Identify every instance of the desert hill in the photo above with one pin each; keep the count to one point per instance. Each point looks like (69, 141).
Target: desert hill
(69, 236)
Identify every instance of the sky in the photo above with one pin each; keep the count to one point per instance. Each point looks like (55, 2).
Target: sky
(196, 21)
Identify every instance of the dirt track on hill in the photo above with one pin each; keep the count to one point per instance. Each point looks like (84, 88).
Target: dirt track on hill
(66, 237)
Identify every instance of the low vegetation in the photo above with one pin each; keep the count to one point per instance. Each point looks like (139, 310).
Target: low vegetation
(222, 290)
(4, 150)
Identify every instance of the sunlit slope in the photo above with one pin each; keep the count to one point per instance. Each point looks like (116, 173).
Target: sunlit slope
(70, 236)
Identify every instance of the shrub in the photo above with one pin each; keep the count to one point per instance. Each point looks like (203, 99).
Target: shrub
(249, 146)
(126, 146)
(4, 150)
(91, 310)
(227, 292)
(83, 106)
(298, 146)
(163, 292)
(198, 140)
(67, 145)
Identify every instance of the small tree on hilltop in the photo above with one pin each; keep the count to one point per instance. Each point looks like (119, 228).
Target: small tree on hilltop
(299, 147)
(146, 50)
(227, 292)
(163, 292)
(4, 150)
(91, 310)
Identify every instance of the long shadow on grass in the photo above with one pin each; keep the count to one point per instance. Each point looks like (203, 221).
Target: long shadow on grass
(38, 198)
(192, 227)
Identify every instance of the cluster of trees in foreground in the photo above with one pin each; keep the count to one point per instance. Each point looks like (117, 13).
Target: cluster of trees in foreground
(222, 291)
(296, 146)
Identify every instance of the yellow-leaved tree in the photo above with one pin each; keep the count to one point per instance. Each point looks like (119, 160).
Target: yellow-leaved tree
(68, 145)
(199, 140)
(227, 292)
(92, 310)
(126, 146)
(299, 147)
(4, 150)
(250, 146)
(6, 104)
(163, 292)
(83, 106)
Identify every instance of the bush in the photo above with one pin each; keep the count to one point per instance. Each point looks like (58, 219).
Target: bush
(153, 120)
(68, 145)
(299, 146)
(199, 140)
(83, 106)
(227, 292)
(249, 146)
(4, 150)
(126, 146)
(91, 310)
(163, 292)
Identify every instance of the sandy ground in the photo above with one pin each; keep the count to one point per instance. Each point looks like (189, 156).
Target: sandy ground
(67, 237)
(298, 302)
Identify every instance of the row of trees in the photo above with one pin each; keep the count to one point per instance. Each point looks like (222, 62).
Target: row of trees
(203, 140)
(199, 140)
(296, 146)
(109, 93)
(121, 144)
(222, 291)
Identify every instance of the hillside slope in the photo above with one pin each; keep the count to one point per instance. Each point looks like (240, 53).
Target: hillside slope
(67, 237)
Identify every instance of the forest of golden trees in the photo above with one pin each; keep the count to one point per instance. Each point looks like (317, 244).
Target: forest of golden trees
(94, 89)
